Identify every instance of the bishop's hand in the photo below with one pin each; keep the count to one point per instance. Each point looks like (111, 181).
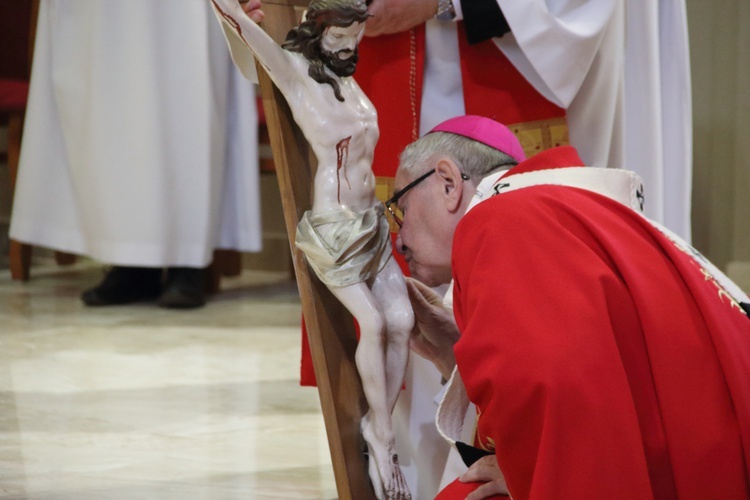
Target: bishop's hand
(435, 331)
(485, 470)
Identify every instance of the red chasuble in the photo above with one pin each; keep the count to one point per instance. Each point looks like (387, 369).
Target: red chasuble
(604, 361)
(390, 73)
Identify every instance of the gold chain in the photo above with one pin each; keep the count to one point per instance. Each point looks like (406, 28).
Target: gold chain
(413, 83)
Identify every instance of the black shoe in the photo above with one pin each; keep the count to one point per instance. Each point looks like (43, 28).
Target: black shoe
(125, 285)
(185, 288)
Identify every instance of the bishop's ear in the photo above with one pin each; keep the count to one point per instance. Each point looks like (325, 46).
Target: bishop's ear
(451, 183)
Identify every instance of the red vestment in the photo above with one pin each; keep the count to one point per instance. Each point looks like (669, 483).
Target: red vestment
(603, 361)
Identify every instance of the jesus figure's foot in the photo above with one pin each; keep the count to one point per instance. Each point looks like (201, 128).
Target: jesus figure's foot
(385, 473)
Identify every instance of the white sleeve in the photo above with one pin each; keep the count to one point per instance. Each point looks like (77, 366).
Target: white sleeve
(458, 10)
(553, 43)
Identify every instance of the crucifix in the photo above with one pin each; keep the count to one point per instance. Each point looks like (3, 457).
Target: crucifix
(323, 131)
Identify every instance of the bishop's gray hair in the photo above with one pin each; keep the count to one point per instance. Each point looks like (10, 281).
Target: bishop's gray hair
(473, 158)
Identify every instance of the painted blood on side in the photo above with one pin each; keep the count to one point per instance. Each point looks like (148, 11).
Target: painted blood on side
(342, 155)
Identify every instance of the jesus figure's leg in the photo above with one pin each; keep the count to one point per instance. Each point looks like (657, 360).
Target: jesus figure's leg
(389, 289)
(370, 357)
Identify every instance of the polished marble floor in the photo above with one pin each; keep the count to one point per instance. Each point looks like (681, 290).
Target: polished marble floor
(138, 402)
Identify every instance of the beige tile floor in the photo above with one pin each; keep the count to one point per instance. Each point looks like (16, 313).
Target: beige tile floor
(137, 402)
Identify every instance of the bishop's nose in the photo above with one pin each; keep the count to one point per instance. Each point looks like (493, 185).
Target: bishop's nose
(400, 247)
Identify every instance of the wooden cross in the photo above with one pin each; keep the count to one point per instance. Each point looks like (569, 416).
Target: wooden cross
(330, 327)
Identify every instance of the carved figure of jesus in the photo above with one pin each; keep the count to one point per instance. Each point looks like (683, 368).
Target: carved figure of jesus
(344, 236)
